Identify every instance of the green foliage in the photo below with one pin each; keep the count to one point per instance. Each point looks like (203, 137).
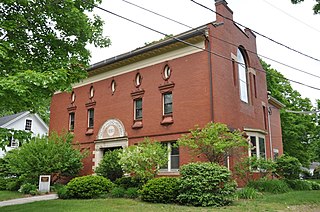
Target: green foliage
(13, 184)
(3, 183)
(145, 159)
(117, 192)
(314, 185)
(63, 193)
(88, 187)
(161, 190)
(299, 131)
(247, 166)
(247, 193)
(27, 188)
(129, 182)
(215, 141)
(7, 134)
(43, 50)
(109, 167)
(316, 7)
(54, 155)
(206, 184)
(270, 186)
(299, 185)
(288, 167)
(131, 193)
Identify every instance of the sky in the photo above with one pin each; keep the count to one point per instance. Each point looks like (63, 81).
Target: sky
(292, 25)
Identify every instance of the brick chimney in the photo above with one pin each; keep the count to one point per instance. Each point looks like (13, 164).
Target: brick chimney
(223, 9)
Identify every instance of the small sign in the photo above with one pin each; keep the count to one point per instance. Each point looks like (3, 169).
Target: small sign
(44, 183)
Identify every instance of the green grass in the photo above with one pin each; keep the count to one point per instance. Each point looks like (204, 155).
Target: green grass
(292, 201)
(6, 195)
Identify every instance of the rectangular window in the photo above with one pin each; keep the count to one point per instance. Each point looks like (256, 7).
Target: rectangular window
(275, 153)
(167, 103)
(28, 124)
(71, 121)
(173, 158)
(264, 117)
(138, 109)
(258, 148)
(254, 86)
(90, 118)
(234, 72)
(13, 143)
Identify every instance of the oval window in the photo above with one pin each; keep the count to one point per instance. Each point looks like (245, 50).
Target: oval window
(167, 72)
(113, 86)
(138, 80)
(91, 92)
(73, 97)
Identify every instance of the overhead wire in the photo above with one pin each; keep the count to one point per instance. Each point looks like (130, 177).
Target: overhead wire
(258, 33)
(190, 44)
(220, 39)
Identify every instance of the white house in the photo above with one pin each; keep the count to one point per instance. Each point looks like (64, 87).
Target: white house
(23, 121)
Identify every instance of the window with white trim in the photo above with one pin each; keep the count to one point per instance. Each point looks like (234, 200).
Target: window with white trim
(138, 109)
(243, 82)
(71, 121)
(13, 143)
(173, 158)
(90, 118)
(28, 124)
(167, 103)
(257, 145)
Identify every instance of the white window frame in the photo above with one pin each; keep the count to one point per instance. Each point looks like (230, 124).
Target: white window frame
(14, 143)
(258, 148)
(135, 109)
(163, 105)
(243, 76)
(168, 168)
(74, 116)
(90, 109)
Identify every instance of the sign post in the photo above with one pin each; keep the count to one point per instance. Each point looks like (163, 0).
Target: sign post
(44, 183)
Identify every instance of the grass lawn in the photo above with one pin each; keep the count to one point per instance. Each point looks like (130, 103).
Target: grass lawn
(292, 201)
(6, 195)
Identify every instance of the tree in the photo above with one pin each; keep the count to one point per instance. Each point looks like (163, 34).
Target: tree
(109, 167)
(54, 155)
(316, 7)
(298, 130)
(42, 50)
(214, 141)
(145, 159)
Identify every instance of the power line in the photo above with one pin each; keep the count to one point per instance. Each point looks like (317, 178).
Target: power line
(291, 16)
(185, 25)
(190, 44)
(262, 35)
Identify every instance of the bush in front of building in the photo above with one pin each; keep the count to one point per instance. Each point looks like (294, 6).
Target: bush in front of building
(270, 186)
(117, 192)
(109, 166)
(87, 187)
(247, 193)
(28, 188)
(131, 193)
(288, 167)
(161, 190)
(299, 185)
(316, 173)
(206, 184)
(129, 182)
(315, 185)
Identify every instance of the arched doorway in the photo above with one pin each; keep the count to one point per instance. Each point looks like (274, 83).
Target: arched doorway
(112, 135)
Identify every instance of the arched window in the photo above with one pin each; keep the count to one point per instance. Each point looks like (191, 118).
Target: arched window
(242, 70)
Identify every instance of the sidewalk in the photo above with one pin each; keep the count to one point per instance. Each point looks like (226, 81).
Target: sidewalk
(28, 199)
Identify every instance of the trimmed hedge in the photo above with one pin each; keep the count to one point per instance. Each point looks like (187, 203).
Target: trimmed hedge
(87, 187)
(160, 190)
(206, 184)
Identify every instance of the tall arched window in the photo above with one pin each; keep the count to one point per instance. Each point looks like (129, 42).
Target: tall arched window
(242, 69)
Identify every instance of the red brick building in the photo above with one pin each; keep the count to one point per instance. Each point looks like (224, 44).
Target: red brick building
(164, 89)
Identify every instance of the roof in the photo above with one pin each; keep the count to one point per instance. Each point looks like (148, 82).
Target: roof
(275, 102)
(6, 119)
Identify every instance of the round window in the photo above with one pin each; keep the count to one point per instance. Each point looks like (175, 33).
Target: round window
(138, 80)
(167, 72)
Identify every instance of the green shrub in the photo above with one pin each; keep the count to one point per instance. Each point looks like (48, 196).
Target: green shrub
(288, 167)
(117, 192)
(3, 183)
(299, 185)
(131, 193)
(247, 193)
(14, 184)
(271, 186)
(27, 188)
(206, 184)
(160, 190)
(314, 185)
(88, 187)
(129, 182)
(109, 166)
(63, 193)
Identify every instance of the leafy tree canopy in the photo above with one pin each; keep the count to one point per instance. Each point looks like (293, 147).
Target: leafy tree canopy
(316, 7)
(214, 141)
(298, 130)
(42, 49)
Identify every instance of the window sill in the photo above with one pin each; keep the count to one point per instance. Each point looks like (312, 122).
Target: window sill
(167, 173)
(167, 119)
(89, 131)
(137, 124)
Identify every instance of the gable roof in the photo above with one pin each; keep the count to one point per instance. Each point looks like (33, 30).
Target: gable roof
(6, 119)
